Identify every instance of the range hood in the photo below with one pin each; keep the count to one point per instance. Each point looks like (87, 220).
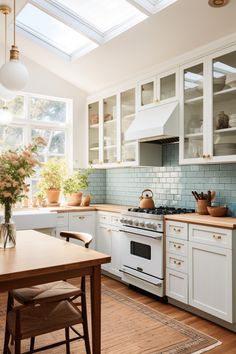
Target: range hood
(156, 123)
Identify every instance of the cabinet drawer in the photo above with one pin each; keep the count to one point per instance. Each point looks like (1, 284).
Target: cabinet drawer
(62, 219)
(176, 246)
(177, 285)
(211, 236)
(104, 218)
(176, 262)
(177, 229)
(115, 220)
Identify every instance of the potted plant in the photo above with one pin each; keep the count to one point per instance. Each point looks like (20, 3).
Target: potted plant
(73, 185)
(52, 174)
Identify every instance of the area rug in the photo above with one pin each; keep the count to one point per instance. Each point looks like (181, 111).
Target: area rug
(129, 327)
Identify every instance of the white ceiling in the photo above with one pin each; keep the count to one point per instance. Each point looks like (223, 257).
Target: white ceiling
(175, 30)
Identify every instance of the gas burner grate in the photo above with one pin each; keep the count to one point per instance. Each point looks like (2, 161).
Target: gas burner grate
(162, 210)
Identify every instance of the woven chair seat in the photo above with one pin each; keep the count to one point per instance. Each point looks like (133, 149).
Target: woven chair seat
(46, 318)
(54, 291)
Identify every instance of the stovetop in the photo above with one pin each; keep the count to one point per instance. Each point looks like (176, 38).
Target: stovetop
(162, 210)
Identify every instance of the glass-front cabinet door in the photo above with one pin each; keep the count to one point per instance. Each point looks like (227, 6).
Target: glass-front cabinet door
(127, 102)
(93, 117)
(192, 113)
(167, 87)
(110, 129)
(224, 106)
(158, 89)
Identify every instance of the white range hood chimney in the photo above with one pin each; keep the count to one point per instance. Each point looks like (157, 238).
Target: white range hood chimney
(155, 123)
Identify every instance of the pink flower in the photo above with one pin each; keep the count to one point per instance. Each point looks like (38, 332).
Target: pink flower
(6, 194)
(21, 172)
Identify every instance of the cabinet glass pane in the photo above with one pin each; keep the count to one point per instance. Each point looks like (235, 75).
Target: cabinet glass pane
(110, 129)
(193, 111)
(167, 87)
(128, 149)
(224, 104)
(93, 114)
(147, 93)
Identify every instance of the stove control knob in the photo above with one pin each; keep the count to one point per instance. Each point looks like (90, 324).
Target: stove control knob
(122, 220)
(154, 226)
(130, 222)
(136, 223)
(141, 224)
(149, 225)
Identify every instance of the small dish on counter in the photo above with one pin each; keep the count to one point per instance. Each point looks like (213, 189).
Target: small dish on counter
(217, 210)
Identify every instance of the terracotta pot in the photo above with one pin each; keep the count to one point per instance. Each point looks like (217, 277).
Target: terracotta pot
(53, 196)
(86, 200)
(74, 199)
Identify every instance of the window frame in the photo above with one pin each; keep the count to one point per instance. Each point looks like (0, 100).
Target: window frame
(28, 124)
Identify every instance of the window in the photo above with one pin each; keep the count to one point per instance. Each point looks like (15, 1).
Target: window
(36, 115)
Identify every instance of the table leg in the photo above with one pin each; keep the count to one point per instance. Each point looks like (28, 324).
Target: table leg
(96, 309)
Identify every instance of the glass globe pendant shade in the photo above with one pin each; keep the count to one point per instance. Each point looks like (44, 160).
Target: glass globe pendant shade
(5, 116)
(6, 95)
(14, 75)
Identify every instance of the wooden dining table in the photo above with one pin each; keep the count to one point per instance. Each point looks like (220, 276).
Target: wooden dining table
(39, 258)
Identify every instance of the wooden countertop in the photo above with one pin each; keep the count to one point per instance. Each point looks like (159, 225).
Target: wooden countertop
(224, 222)
(94, 207)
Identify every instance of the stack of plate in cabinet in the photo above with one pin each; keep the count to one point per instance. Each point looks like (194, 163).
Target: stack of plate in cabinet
(225, 149)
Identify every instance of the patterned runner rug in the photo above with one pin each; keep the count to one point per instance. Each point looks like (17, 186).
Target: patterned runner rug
(129, 327)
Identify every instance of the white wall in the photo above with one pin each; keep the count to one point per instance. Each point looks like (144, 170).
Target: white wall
(45, 82)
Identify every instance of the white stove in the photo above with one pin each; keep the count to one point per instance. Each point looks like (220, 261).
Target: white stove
(142, 247)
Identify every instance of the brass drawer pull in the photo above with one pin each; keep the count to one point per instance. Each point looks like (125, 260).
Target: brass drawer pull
(61, 217)
(177, 246)
(176, 230)
(217, 237)
(177, 262)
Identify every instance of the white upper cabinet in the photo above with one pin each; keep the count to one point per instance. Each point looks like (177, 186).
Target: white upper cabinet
(93, 119)
(208, 109)
(109, 118)
(157, 89)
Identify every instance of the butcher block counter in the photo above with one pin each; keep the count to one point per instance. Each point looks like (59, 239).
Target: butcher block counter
(195, 218)
(94, 207)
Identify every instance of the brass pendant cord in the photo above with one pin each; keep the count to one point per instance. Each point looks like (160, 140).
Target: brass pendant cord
(5, 37)
(14, 15)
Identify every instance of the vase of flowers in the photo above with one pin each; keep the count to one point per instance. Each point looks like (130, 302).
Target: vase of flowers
(15, 167)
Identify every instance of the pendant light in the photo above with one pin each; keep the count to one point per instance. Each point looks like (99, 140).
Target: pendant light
(14, 75)
(6, 94)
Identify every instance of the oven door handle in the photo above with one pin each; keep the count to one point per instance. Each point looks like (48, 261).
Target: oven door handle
(159, 237)
(135, 276)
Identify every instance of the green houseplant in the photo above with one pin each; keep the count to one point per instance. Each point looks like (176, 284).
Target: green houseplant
(73, 185)
(52, 174)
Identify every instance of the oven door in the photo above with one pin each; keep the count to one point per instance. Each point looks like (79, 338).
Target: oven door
(142, 256)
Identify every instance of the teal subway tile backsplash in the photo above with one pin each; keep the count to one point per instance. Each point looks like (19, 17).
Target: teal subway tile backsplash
(171, 184)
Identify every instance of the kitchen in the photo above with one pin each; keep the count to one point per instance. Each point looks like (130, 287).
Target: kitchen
(191, 152)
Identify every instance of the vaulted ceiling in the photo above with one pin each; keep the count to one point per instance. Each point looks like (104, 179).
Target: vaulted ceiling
(179, 28)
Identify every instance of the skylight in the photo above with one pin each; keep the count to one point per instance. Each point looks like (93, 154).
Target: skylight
(52, 31)
(75, 27)
(153, 6)
(105, 15)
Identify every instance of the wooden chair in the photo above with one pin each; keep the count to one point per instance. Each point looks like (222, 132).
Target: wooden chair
(53, 301)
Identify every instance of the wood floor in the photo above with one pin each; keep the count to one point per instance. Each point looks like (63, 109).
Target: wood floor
(227, 338)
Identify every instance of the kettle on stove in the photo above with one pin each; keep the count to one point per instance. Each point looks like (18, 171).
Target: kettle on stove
(146, 201)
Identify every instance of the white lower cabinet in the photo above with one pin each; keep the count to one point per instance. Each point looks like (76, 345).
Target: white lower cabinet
(177, 261)
(83, 222)
(210, 280)
(177, 285)
(103, 244)
(108, 240)
(201, 267)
